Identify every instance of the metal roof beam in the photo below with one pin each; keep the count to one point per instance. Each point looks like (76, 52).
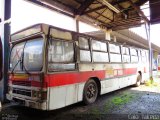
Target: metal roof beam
(141, 2)
(139, 11)
(125, 20)
(55, 6)
(84, 6)
(120, 27)
(95, 9)
(118, 2)
(104, 6)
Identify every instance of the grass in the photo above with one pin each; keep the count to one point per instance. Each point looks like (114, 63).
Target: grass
(122, 99)
(118, 101)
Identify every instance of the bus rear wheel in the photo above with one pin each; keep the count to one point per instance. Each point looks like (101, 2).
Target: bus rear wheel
(90, 92)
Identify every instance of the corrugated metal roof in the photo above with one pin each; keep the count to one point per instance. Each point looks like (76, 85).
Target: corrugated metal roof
(128, 37)
(107, 14)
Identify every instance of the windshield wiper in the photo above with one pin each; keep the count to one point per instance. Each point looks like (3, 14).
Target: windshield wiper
(21, 61)
(16, 65)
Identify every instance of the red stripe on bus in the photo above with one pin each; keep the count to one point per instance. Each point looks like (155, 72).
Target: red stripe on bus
(129, 71)
(36, 84)
(59, 79)
(72, 78)
(78, 77)
(23, 82)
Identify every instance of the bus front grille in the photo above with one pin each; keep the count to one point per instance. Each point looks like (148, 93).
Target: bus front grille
(22, 83)
(22, 92)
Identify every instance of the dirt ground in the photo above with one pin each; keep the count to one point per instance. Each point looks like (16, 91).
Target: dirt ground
(131, 103)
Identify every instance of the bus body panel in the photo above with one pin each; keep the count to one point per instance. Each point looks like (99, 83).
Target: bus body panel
(62, 96)
(67, 88)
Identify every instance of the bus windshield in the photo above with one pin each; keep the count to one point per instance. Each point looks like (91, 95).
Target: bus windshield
(27, 55)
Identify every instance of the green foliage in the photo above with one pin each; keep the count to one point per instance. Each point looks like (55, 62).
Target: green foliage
(117, 101)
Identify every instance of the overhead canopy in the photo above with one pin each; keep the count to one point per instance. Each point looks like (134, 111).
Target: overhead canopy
(107, 14)
(126, 37)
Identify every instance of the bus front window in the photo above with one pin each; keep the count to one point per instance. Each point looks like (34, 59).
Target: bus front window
(33, 56)
(27, 55)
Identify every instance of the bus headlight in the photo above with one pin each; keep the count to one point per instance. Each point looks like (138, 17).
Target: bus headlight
(43, 95)
(34, 93)
(40, 94)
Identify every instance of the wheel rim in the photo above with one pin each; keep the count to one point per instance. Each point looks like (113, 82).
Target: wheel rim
(91, 92)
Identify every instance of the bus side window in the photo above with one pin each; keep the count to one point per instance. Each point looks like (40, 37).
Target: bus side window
(60, 55)
(115, 53)
(147, 55)
(85, 54)
(144, 57)
(134, 55)
(100, 53)
(139, 55)
(126, 55)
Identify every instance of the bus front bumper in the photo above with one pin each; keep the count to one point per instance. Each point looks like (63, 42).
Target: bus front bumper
(26, 102)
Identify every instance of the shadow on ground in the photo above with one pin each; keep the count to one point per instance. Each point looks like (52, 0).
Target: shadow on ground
(123, 104)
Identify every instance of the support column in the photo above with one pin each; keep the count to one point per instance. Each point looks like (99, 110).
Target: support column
(5, 6)
(155, 63)
(77, 23)
(108, 34)
(114, 38)
(77, 26)
(147, 27)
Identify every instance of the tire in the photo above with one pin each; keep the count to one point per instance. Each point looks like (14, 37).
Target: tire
(139, 79)
(90, 92)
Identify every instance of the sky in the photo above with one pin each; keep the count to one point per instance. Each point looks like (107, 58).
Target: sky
(25, 14)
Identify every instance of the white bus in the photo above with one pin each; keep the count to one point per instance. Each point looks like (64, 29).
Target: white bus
(51, 68)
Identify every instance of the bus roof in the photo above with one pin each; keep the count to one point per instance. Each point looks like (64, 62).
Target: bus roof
(29, 31)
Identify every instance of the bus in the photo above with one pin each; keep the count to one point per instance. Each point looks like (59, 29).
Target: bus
(50, 67)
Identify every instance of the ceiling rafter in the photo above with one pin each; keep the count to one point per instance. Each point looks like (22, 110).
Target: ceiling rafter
(78, 1)
(125, 23)
(141, 2)
(84, 6)
(99, 21)
(122, 23)
(95, 9)
(124, 20)
(118, 2)
(139, 11)
(104, 6)
(69, 6)
(103, 16)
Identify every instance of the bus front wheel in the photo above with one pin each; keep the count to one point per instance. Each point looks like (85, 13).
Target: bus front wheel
(90, 92)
